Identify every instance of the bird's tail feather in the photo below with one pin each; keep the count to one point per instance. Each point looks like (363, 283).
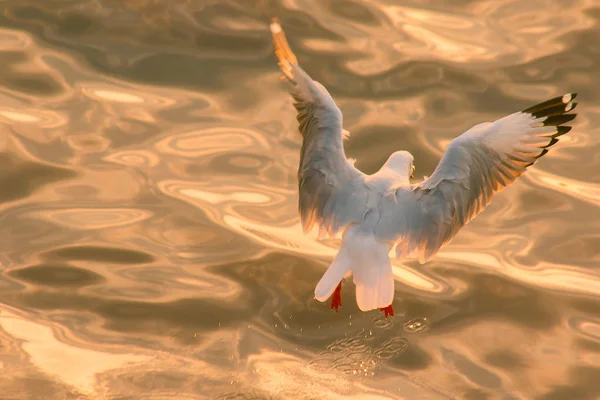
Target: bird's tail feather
(369, 262)
(374, 283)
(334, 274)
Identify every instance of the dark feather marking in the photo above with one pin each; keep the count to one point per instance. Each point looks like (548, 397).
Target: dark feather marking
(561, 131)
(556, 120)
(542, 153)
(554, 110)
(547, 104)
(552, 143)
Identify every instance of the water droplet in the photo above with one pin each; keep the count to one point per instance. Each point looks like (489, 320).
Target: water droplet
(416, 325)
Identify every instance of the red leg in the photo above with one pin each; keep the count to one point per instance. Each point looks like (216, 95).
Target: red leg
(389, 310)
(336, 298)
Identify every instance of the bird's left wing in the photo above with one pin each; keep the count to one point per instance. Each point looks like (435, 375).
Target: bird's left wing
(476, 165)
(332, 192)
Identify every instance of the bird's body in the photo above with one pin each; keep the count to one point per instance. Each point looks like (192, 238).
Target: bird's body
(379, 211)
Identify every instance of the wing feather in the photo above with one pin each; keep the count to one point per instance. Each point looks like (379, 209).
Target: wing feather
(479, 163)
(332, 191)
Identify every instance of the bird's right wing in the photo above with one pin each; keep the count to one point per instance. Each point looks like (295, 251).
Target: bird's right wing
(476, 165)
(332, 192)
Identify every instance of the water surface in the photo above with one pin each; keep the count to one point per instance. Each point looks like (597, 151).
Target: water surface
(150, 246)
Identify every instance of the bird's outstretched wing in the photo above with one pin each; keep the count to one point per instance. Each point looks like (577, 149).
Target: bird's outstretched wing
(332, 192)
(476, 165)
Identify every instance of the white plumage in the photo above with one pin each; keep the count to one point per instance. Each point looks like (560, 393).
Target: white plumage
(376, 212)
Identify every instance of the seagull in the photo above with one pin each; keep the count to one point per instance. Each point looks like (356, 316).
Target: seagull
(376, 212)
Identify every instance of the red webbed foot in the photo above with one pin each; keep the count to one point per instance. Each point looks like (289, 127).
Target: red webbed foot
(336, 298)
(389, 310)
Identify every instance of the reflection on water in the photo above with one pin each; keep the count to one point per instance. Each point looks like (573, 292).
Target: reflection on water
(151, 245)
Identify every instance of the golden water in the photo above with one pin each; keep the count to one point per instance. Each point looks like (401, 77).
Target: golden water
(150, 245)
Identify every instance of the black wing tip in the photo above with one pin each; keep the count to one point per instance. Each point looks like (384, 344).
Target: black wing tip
(553, 104)
(551, 143)
(561, 130)
(556, 120)
(554, 112)
(542, 153)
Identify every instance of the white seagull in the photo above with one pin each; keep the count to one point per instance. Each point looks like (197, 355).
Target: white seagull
(376, 212)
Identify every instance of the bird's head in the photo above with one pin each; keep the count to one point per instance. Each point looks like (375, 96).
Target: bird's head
(401, 162)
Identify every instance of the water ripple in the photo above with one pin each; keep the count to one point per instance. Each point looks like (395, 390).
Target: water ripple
(148, 161)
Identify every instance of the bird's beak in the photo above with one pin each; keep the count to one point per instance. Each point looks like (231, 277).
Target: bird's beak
(412, 172)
